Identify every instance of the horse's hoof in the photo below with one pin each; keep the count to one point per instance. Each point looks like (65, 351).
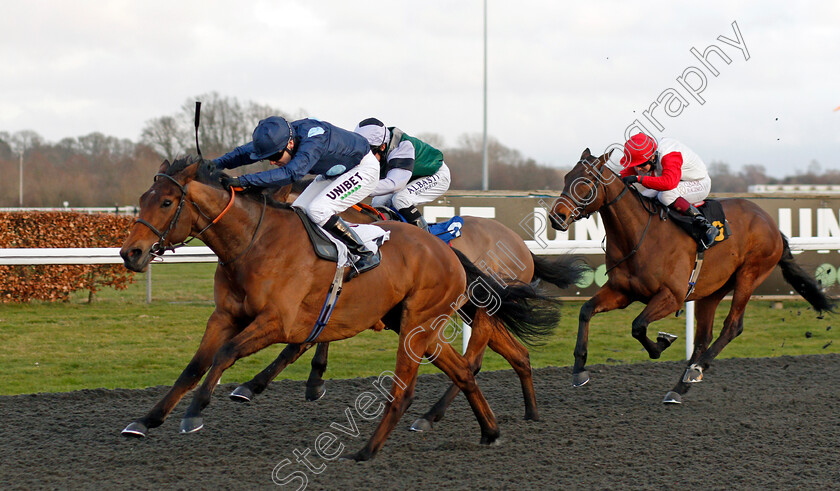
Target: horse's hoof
(356, 457)
(672, 398)
(315, 393)
(580, 379)
(491, 438)
(421, 424)
(135, 430)
(241, 394)
(191, 425)
(666, 339)
(693, 374)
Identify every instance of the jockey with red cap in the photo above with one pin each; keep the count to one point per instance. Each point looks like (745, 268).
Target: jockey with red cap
(672, 173)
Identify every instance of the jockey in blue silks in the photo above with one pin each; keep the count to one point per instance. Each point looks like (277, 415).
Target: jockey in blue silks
(346, 172)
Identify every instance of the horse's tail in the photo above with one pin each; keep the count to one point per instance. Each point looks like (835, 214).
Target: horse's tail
(803, 283)
(561, 271)
(526, 313)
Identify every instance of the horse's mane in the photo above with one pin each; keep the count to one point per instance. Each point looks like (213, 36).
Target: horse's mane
(207, 173)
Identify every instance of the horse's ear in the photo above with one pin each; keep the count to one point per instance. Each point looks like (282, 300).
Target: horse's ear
(164, 167)
(585, 155)
(606, 157)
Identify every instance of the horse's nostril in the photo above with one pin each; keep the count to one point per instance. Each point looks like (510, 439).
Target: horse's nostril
(558, 221)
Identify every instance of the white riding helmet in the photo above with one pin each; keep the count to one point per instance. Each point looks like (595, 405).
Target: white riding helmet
(374, 131)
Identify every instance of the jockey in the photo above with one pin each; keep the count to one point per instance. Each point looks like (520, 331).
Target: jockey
(672, 173)
(412, 172)
(346, 170)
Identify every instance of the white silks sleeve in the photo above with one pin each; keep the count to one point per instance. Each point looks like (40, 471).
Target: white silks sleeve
(395, 180)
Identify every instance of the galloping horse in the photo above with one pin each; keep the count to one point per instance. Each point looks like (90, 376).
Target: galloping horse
(650, 261)
(482, 239)
(269, 287)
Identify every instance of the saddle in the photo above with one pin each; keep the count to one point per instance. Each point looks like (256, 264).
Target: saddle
(324, 248)
(713, 211)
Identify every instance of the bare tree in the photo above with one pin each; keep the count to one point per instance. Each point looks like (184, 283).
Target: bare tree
(165, 136)
(225, 123)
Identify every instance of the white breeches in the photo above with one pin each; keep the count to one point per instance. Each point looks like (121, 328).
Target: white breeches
(691, 191)
(416, 192)
(327, 196)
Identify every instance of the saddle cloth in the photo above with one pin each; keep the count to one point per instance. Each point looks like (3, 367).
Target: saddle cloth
(713, 211)
(328, 247)
(445, 231)
(448, 230)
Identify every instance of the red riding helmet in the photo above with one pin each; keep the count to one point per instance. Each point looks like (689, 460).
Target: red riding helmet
(638, 150)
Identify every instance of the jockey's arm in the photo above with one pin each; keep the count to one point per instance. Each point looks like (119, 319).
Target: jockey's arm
(671, 174)
(306, 156)
(395, 180)
(237, 157)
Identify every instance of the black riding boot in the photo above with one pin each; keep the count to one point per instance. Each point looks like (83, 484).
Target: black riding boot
(710, 232)
(340, 230)
(412, 215)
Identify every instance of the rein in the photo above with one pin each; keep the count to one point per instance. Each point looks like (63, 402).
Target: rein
(618, 197)
(651, 212)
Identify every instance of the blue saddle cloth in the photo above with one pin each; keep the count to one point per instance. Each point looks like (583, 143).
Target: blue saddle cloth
(448, 230)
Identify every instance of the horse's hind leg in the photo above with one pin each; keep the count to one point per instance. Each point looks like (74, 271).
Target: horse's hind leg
(247, 391)
(315, 384)
(516, 354)
(458, 369)
(662, 304)
(219, 331)
(705, 316)
(733, 325)
(474, 355)
(409, 354)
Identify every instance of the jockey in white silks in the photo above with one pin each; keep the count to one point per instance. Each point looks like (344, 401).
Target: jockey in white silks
(412, 171)
(672, 173)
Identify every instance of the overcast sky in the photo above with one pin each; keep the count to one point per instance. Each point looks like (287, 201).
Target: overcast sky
(562, 75)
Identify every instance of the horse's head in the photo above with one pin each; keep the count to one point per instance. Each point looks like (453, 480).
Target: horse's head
(585, 190)
(164, 218)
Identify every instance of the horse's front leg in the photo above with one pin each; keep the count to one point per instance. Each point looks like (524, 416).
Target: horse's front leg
(290, 354)
(262, 332)
(604, 300)
(662, 304)
(220, 329)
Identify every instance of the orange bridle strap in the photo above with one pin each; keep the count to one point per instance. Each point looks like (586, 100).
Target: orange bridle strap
(230, 203)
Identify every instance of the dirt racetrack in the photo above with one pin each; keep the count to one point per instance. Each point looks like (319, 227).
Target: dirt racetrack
(753, 423)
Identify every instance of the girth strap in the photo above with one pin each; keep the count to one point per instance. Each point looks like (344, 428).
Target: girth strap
(329, 305)
(692, 280)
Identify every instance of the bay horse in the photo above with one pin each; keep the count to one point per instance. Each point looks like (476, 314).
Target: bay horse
(483, 241)
(269, 288)
(650, 260)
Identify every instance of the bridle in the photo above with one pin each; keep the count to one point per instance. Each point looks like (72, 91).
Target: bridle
(618, 197)
(160, 247)
(582, 207)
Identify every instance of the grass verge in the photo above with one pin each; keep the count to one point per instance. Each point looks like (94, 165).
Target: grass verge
(120, 341)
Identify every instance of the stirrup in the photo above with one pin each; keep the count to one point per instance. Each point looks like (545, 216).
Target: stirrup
(356, 270)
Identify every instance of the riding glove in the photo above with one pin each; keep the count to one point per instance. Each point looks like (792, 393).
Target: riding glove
(628, 180)
(228, 182)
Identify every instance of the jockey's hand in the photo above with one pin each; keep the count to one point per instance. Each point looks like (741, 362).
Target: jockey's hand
(630, 180)
(228, 182)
